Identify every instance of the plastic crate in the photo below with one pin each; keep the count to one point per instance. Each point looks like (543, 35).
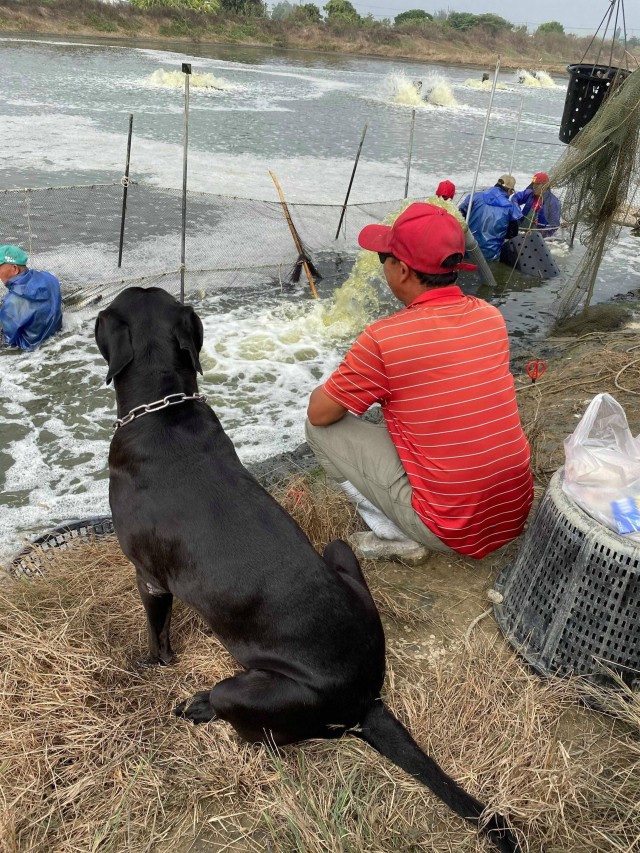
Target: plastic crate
(571, 599)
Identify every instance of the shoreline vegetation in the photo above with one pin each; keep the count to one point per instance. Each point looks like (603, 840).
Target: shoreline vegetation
(450, 38)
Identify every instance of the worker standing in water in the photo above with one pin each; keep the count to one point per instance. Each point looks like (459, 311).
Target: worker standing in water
(494, 216)
(541, 209)
(32, 309)
(446, 190)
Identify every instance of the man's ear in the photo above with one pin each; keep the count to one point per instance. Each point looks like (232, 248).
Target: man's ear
(114, 342)
(189, 334)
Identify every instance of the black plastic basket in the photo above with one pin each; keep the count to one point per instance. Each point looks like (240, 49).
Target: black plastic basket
(571, 598)
(589, 85)
(33, 559)
(530, 255)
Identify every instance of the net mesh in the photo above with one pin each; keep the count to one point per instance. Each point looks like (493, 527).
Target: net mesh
(74, 232)
(600, 173)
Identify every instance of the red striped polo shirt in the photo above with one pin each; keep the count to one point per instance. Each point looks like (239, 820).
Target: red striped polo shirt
(440, 370)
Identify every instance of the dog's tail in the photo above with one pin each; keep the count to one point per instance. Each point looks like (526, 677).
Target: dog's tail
(381, 730)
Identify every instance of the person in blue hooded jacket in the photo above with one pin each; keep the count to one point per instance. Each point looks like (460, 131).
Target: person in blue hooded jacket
(494, 217)
(32, 309)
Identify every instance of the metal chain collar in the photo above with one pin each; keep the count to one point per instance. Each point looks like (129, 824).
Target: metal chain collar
(156, 406)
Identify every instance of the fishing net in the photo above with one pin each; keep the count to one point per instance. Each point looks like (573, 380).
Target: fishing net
(231, 242)
(600, 173)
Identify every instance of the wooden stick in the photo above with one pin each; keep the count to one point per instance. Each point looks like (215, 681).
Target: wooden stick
(296, 239)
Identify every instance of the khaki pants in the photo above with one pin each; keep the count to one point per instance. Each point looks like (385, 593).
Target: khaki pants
(363, 453)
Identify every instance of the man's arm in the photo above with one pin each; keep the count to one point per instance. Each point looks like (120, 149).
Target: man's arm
(322, 410)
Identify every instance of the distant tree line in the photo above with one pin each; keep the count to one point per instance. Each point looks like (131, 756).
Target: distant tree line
(341, 12)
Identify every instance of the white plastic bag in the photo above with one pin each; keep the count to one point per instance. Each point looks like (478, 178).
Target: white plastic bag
(602, 466)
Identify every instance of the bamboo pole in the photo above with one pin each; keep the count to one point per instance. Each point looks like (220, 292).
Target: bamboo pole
(484, 136)
(294, 234)
(515, 139)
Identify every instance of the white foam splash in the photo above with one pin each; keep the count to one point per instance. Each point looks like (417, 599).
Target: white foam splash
(536, 80)
(175, 80)
(433, 90)
(484, 85)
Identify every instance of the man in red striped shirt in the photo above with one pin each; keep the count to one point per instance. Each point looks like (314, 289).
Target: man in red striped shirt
(449, 468)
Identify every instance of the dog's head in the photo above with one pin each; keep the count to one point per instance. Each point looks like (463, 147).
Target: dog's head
(148, 323)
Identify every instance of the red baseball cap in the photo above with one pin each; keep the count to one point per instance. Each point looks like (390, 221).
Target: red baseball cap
(541, 178)
(446, 189)
(423, 236)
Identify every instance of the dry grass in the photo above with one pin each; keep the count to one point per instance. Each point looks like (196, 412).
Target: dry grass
(93, 760)
(594, 363)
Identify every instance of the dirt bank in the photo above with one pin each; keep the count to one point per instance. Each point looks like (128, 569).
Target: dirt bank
(89, 737)
(433, 43)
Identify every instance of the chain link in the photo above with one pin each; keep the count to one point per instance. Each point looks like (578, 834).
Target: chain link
(156, 406)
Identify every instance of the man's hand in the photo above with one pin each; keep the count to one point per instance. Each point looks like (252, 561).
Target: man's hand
(322, 410)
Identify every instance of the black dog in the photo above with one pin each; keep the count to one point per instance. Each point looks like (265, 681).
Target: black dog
(196, 524)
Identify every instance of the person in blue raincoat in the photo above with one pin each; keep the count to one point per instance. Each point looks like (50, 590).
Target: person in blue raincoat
(494, 217)
(541, 209)
(32, 309)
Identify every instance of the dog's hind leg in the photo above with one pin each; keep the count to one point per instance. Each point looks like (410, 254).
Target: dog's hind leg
(158, 610)
(262, 706)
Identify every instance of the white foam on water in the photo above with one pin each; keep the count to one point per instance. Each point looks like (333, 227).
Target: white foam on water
(535, 80)
(197, 82)
(433, 90)
(545, 79)
(484, 85)
(325, 83)
(74, 141)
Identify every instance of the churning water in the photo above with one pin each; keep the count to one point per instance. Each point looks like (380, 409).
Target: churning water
(66, 109)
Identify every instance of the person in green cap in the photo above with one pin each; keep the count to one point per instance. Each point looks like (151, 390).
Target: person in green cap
(32, 309)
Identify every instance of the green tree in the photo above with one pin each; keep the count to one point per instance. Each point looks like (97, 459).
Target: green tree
(341, 10)
(246, 8)
(308, 13)
(493, 22)
(551, 27)
(462, 20)
(413, 16)
(190, 5)
(281, 10)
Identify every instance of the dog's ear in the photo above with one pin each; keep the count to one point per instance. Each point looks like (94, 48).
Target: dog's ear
(189, 334)
(114, 342)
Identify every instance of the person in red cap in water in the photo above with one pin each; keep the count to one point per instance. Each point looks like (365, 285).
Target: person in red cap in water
(446, 190)
(449, 467)
(540, 207)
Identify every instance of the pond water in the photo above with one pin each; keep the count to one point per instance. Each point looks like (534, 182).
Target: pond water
(301, 115)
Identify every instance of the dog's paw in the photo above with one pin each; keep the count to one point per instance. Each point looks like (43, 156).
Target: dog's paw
(150, 661)
(198, 709)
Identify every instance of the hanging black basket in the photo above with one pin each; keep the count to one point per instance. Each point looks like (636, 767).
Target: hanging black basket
(589, 85)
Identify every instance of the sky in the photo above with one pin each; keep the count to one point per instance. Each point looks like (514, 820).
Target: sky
(579, 16)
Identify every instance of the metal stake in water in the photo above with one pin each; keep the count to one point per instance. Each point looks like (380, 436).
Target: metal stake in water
(125, 185)
(353, 174)
(515, 138)
(413, 124)
(186, 70)
(484, 136)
